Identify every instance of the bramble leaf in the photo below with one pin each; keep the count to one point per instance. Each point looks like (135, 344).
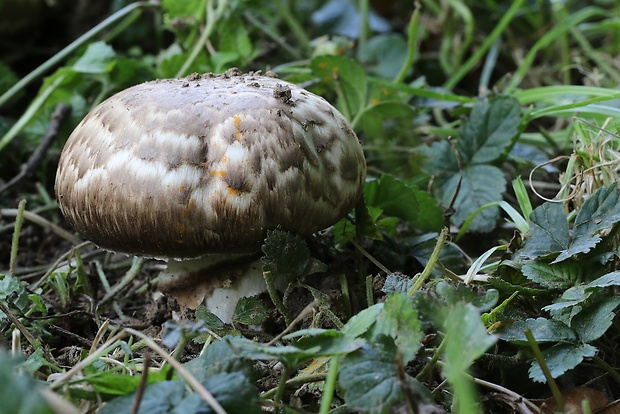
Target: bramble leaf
(287, 255)
(591, 323)
(480, 185)
(561, 358)
(553, 276)
(399, 320)
(368, 377)
(548, 233)
(598, 214)
(544, 330)
(489, 130)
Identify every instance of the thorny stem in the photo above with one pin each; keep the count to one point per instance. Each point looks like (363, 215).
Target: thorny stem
(432, 261)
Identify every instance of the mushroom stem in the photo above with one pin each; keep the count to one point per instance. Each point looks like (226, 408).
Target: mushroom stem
(218, 281)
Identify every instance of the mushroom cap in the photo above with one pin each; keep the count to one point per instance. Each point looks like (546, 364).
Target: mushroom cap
(207, 164)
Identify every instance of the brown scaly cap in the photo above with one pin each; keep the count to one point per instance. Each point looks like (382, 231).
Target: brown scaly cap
(207, 164)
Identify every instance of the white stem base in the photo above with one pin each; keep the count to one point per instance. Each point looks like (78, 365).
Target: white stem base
(218, 281)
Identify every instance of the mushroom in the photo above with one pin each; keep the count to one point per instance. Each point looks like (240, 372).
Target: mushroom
(196, 170)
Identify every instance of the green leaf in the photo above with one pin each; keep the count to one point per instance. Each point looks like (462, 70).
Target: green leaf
(98, 58)
(385, 54)
(598, 214)
(218, 358)
(439, 158)
(325, 343)
(250, 311)
(548, 233)
(544, 330)
(480, 185)
(561, 358)
(360, 323)
(158, 398)
(466, 340)
(113, 383)
(18, 393)
(396, 198)
(287, 255)
(234, 391)
(397, 283)
(368, 377)
(348, 74)
(553, 276)
(591, 323)
(399, 320)
(489, 130)
(181, 8)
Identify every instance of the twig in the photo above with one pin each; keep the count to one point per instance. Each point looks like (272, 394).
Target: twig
(43, 222)
(295, 321)
(58, 116)
(142, 385)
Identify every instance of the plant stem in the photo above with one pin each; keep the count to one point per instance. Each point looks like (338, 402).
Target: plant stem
(275, 298)
(330, 385)
(432, 261)
(484, 47)
(277, 399)
(19, 220)
(412, 43)
(293, 24)
(213, 17)
(557, 395)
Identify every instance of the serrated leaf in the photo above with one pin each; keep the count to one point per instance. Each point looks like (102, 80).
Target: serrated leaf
(480, 185)
(598, 214)
(438, 158)
(489, 130)
(287, 255)
(399, 320)
(544, 330)
(368, 377)
(397, 283)
(548, 233)
(591, 323)
(553, 276)
(250, 311)
(560, 359)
